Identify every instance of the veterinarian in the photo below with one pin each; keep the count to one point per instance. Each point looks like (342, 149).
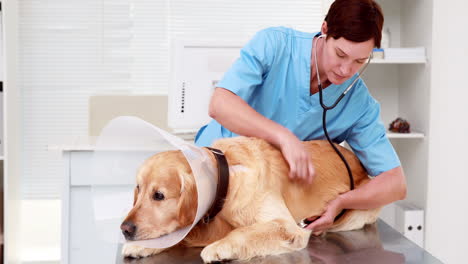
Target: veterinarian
(272, 92)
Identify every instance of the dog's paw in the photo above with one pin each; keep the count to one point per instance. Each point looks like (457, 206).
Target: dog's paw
(218, 252)
(134, 251)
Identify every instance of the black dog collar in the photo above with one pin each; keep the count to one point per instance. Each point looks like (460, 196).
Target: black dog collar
(222, 187)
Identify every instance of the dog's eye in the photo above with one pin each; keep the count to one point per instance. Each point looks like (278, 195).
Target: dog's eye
(158, 196)
(138, 188)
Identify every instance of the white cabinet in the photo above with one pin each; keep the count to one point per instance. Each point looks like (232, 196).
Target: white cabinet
(80, 242)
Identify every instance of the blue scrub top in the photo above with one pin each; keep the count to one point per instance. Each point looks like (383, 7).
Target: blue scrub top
(273, 76)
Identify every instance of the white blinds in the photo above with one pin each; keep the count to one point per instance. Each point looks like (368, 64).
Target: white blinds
(59, 65)
(71, 49)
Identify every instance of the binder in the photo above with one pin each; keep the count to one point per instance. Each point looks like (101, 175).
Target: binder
(409, 221)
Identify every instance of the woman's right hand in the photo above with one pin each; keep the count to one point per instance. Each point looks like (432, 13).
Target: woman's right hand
(297, 157)
(242, 119)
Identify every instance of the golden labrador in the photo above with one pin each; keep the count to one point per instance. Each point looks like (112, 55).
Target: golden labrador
(262, 207)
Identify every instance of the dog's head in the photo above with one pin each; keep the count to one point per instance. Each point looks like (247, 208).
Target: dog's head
(165, 197)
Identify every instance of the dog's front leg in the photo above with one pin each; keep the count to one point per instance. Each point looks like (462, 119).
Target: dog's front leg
(260, 239)
(135, 251)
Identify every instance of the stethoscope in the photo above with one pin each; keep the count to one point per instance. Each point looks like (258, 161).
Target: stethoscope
(305, 222)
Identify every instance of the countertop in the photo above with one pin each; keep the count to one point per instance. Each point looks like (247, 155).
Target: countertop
(87, 143)
(376, 243)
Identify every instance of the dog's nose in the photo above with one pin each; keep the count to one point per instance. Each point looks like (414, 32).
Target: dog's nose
(128, 229)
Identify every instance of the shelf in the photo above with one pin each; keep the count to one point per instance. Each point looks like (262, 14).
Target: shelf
(414, 55)
(405, 135)
(399, 61)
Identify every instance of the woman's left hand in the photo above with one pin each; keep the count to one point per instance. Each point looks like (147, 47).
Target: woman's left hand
(326, 219)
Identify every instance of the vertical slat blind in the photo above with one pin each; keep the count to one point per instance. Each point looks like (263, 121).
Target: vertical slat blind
(71, 49)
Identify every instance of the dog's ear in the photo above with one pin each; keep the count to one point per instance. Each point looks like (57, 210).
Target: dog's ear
(135, 195)
(187, 205)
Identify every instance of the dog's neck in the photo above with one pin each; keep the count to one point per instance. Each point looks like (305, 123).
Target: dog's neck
(222, 184)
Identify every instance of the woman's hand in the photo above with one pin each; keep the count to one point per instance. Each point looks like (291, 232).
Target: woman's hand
(298, 158)
(242, 119)
(325, 221)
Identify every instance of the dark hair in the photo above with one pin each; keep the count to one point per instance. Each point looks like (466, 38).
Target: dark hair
(355, 20)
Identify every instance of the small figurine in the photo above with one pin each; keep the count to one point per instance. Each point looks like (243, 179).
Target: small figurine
(399, 125)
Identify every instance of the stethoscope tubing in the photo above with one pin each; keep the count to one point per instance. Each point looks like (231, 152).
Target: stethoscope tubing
(326, 108)
(305, 222)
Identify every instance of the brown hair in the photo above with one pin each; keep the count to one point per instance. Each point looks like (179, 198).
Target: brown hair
(355, 20)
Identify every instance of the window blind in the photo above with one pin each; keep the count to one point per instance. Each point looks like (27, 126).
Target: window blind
(71, 49)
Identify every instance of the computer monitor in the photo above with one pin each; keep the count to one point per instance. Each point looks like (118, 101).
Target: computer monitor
(196, 68)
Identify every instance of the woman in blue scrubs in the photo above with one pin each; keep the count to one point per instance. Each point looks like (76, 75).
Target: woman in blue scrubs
(271, 92)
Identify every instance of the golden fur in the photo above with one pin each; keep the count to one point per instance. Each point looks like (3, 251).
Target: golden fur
(262, 207)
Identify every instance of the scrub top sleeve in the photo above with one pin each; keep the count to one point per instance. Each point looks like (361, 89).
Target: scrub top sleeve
(254, 62)
(369, 142)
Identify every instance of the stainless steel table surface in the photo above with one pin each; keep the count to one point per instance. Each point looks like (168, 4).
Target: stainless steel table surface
(376, 243)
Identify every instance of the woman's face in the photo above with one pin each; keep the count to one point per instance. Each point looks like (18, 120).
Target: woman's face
(344, 58)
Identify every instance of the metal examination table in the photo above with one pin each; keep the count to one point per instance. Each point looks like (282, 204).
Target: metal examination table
(377, 243)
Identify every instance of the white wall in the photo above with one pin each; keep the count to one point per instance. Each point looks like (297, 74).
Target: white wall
(447, 209)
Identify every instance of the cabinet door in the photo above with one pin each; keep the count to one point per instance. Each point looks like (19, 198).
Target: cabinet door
(85, 245)
(80, 168)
